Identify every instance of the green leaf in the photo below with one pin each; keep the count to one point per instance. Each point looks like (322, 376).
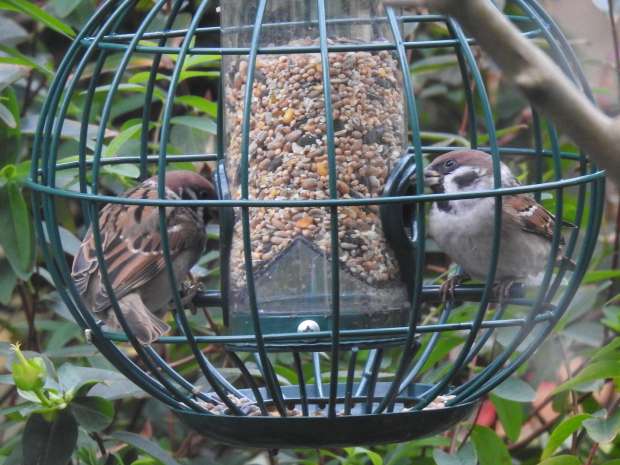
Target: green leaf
(11, 32)
(515, 389)
(19, 58)
(598, 370)
(585, 332)
(193, 74)
(510, 414)
(608, 352)
(126, 134)
(600, 275)
(603, 430)
(8, 281)
(93, 413)
(7, 117)
(490, 448)
(149, 447)
(63, 8)
(73, 377)
(10, 137)
(561, 433)
(9, 73)
(49, 443)
(125, 170)
(375, 458)
(561, 460)
(465, 456)
(16, 233)
(32, 10)
(201, 123)
(484, 138)
(199, 103)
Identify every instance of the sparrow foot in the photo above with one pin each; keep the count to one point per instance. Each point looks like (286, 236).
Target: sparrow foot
(189, 289)
(449, 285)
(503, 290)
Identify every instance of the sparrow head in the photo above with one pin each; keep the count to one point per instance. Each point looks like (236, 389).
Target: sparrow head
(192, 186)
(466, 170)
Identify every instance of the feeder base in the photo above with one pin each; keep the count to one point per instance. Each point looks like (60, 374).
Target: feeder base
(314, 431)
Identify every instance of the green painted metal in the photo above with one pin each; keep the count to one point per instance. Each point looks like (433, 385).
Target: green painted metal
(345, 386)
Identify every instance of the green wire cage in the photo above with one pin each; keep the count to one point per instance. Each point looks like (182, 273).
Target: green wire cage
(322, 214)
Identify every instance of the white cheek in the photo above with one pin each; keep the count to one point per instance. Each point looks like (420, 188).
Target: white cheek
(450, 186)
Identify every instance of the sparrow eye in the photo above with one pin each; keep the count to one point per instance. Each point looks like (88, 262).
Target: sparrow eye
(449, 164)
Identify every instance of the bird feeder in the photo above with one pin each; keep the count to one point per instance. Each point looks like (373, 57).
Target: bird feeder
(322, 213)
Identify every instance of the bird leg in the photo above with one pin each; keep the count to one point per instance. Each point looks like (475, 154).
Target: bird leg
(448, 287)
(503, 290)
(189, 289)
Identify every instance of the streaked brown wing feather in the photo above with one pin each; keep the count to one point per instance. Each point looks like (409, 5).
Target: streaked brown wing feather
(530, 215)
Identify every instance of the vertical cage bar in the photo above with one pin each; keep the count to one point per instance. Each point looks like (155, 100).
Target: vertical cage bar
(420, 233)
(301, 382)
(318, 380)
(372, 381)
(463, 47)
(250, 380)
(333, 193)
(348, 390)
(271, 381)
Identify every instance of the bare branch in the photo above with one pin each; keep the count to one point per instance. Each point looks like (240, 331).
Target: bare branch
(536, 75)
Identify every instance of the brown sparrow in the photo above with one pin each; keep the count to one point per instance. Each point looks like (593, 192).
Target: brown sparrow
(464, 228)
(131, 243)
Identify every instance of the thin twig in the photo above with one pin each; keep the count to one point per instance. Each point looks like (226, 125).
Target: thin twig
(592, 454)
(33, 339)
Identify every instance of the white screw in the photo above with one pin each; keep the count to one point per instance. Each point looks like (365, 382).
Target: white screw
(308, 326)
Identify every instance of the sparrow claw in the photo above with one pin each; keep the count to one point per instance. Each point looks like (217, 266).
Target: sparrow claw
(448, 287)
(503, 290)
(189, 289)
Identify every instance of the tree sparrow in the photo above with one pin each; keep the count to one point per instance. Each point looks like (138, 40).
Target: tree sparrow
(464, 228)
(131, 243)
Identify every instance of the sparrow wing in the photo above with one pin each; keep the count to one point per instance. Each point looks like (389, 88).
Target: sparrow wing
(132, 249)
(530, 216)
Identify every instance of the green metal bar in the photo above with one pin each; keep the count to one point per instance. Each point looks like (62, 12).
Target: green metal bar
(318, 379)
(596, 211)
(494, 368)
(431, 393)
(219, 384)
(50, 212)
(348, 391)
(242, 51)
(354, 202)
(92, 210)
(428, 350)
(148, 94)
(214, 157)
(372, 381)
(427, 18)
(250, 381)
(270, 378)
(301, 382)
(333, 194)
(420, 233)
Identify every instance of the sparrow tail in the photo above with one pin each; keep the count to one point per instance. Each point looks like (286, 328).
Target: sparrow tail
(143, 324)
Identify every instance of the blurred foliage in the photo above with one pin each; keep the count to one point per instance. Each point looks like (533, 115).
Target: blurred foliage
(61, 401)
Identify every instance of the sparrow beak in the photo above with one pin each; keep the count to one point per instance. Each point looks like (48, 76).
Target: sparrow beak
(432, 178)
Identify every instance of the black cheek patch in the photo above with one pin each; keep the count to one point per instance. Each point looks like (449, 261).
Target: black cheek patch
(444, 206)
(466, 179)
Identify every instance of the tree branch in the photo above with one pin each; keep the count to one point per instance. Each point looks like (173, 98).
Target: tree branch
(536, 75)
